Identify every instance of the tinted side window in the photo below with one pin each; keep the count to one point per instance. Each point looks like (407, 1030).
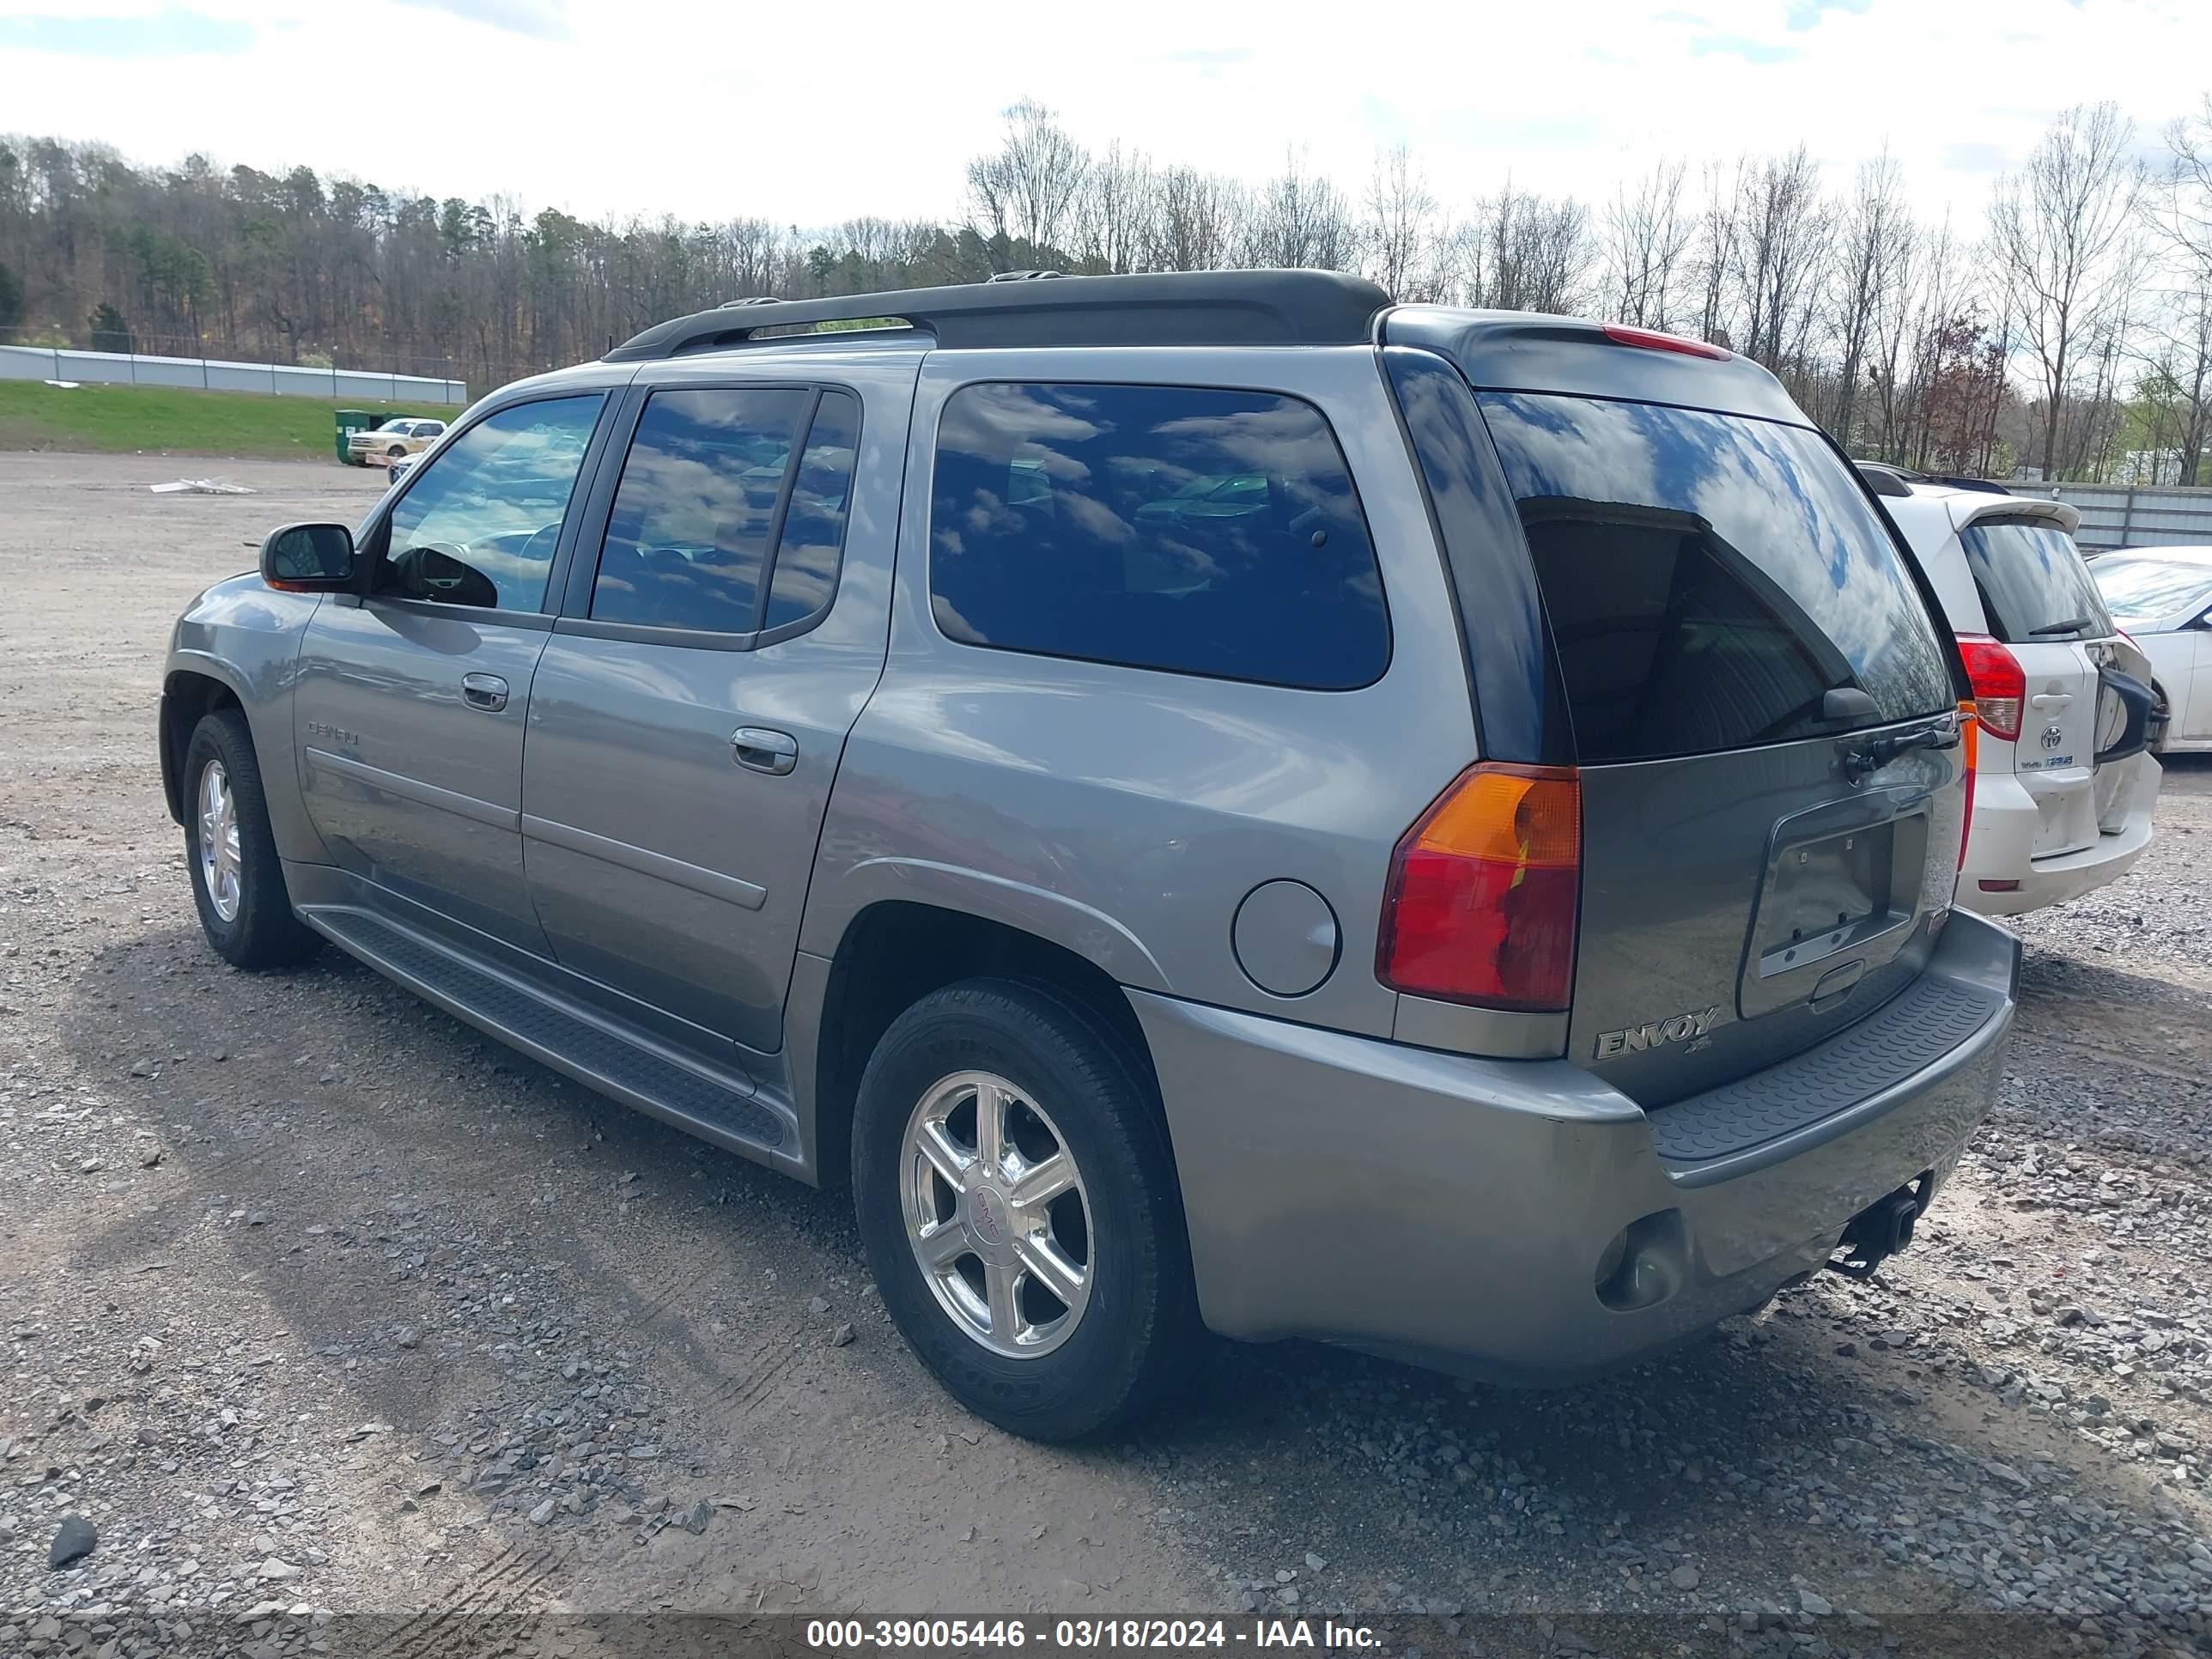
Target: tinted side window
(477, 525)
(1709, 578)
(688, 536)
(1199, 531)
(814, 525)
(2031, 578)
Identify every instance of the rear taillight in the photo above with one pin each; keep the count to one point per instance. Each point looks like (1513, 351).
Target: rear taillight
(1970, 749)
(1652, 340)
(1483, 891)
(2000, 684)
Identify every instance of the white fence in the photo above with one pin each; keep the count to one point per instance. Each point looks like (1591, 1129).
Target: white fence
(2118, 515)
(215, 374)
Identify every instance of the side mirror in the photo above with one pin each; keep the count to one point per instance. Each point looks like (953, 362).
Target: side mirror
(307, 558)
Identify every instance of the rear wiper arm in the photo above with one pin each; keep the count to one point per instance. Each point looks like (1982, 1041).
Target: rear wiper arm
(2080, 625)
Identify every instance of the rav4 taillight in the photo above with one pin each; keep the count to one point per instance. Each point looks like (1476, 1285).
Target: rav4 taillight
(1999, 682)
(1969, 749)
(1483, 892)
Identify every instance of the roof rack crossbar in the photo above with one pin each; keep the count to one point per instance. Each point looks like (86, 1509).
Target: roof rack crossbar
(1209, 307)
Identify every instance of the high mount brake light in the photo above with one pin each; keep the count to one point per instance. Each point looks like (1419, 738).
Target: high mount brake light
(2000, 684)
(1484, 891)
(1652, 340)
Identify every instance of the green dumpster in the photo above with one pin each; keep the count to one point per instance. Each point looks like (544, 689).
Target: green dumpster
(351, 421)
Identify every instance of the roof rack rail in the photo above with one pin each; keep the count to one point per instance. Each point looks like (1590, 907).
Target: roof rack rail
(750, 300)
(1196, 307)
(1022, 275)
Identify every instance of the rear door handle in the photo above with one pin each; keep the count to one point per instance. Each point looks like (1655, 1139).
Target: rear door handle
(759, 750)
(2051, 700)
(484, 691)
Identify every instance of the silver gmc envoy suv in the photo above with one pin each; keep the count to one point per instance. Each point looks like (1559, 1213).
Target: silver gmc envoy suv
(1216, 802)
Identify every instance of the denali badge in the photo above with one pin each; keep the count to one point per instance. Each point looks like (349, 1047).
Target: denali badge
(1682, 1026)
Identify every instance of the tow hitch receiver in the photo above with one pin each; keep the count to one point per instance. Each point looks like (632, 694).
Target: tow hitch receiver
(1879, 1230)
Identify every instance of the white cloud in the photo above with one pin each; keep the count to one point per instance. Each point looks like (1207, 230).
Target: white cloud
(710, 111)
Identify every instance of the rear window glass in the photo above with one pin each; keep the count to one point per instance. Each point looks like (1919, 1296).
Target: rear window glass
(2033, 583)
(2146, 591)
(1709, 578)
(1197, 531)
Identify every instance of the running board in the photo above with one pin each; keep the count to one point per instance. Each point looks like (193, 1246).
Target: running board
(716, 1106)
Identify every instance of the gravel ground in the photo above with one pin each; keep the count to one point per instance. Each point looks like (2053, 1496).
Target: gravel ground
(325, 1314)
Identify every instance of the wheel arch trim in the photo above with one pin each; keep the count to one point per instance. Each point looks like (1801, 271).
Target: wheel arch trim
(1106, 943)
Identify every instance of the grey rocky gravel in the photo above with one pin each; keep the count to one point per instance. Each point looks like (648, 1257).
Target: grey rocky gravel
(456, 1310)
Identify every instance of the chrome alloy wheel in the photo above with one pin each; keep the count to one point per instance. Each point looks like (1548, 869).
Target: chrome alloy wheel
(997, 1214)
(222, 869)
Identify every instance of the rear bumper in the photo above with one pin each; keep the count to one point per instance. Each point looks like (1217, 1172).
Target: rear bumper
(1454, 1211)
(2005, 824)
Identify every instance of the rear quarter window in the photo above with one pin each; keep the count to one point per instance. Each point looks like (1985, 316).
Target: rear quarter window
(1709, 578)
(2032, 581)
(1192, 530)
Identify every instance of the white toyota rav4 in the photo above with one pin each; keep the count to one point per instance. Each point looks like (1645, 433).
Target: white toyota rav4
(2064, 785)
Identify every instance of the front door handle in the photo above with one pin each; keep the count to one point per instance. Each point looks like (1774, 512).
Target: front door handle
(484, 691)
(759, 750)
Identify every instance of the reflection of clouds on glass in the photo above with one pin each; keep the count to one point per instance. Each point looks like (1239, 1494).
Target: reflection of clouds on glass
(688, 533)
(689, 503)
(2030, 576)
(1774, 493)
(2146, 590)
(495, 486)
(1195, 529)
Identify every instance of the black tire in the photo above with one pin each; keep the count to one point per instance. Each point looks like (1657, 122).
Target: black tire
(264, 932)
(1138, 1334)
(395, 451)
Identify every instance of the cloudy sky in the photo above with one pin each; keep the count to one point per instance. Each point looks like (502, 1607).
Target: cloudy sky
(809, 114)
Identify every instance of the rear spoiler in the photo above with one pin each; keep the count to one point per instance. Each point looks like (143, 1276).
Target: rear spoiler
(1898, 481)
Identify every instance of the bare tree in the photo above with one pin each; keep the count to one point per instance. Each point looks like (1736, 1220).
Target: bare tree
(1301, 220)
(2178, 383)
(1873, 251)
(1021, 196)
(1400, 227)
(2184, 197)
(1714, 241)
(1116, 212)
(2059, 237)
(1198, 223)
(1522, 251)
(1646, 239)
(1782, 235)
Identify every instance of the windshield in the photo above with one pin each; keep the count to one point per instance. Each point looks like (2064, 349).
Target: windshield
(2033, 583)
(1710, 577)
(2140, 591)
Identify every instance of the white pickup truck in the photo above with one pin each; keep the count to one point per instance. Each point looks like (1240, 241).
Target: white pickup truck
(403, 434)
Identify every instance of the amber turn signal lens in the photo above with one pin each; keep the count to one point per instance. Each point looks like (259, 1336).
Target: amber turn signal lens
(1484, 891)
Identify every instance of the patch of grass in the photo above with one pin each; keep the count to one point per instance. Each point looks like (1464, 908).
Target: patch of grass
(168, 420)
